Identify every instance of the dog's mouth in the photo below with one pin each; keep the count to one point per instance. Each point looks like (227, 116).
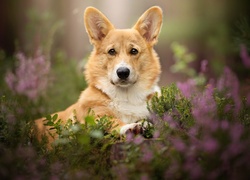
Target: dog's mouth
(123, 83)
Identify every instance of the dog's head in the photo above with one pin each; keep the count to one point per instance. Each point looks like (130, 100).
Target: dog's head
(123, 58)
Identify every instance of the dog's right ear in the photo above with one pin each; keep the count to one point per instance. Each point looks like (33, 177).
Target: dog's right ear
(97, 24)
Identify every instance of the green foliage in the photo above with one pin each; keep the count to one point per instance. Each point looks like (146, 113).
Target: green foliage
(74, 132)
(172, 102)
(84, 146)
(242, 33)
(224, 106)
(15, 124)
(244, 114)
(183, 58)
(148, 129)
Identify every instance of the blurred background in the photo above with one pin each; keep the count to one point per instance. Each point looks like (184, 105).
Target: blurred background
(210, 30)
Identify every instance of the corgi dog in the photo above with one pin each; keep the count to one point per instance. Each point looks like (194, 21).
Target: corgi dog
(122, 72)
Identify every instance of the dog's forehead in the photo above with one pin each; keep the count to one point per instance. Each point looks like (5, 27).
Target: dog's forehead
(124, 35)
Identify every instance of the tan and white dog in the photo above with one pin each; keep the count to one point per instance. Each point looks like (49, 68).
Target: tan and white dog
(122, 71)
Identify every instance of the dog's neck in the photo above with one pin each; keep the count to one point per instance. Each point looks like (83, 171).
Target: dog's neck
(135, 94)
(129, 104)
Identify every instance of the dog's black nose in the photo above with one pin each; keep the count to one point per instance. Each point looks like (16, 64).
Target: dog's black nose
(123, 73)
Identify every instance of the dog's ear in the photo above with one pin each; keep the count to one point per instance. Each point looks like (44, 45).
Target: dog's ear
(149, 24)
(97, 24)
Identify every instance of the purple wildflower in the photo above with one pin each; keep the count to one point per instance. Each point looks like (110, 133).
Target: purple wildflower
(56, 167)
(156, 134)
(172, 170)
(138, 139)
(187, 88)
(224, 125)
(179, 145)
(147, 155)
(11, 118)
(193, 168)
(121, 171)
(25, 152)
(30, 77)
(209, 144)
(204, 106)
(229, 83)
(235, 149)
(144, 177)
(171, 122)
(54, 177)
(193, 131)
(236, 131)
(244, 56)
(204, 65)
(10, 79)
(248, 99)
(227, 108)
(129, 137)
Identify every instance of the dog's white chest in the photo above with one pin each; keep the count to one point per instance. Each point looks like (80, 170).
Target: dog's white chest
(129, 113)
(129, 105)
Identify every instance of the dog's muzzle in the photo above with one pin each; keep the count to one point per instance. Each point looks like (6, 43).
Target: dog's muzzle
(123, 76)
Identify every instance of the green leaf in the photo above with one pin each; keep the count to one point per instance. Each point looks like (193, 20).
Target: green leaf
(48, 117)
(84, 139)
(55, 117)
(49, 123)
(90, 120)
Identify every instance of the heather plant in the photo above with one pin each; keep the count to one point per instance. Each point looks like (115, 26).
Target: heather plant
(30, 77)
(210, 142)
(174, 105)
(245, 56)
(215, 144)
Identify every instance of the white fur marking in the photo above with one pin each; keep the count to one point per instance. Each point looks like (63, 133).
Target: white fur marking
(126, 127)
(129, 104)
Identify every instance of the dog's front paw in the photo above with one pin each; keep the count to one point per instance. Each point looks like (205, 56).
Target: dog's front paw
(135, 128)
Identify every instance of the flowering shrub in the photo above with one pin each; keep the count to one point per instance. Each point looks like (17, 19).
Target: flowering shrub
(216, 145)
(30, 77)
(245, 56)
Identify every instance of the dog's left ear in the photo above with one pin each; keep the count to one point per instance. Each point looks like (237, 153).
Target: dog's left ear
(149, 24)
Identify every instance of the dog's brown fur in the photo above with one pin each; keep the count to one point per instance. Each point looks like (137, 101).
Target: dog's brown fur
(106, 94)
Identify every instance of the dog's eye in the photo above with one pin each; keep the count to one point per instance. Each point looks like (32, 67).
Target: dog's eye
(133, 51)
(112, 52)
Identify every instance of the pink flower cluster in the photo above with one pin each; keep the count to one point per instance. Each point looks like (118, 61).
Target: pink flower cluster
(245, 56)
(214, 141)
(229, 83)
(30, 78)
